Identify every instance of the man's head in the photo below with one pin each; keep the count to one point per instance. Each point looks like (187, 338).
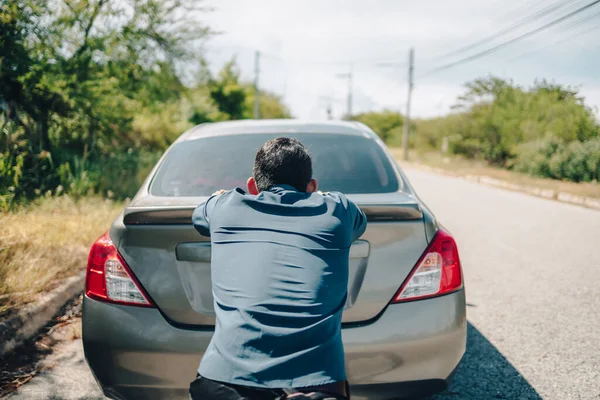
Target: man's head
(282, 161)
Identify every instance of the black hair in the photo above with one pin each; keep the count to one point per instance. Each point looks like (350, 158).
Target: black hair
(282, 161)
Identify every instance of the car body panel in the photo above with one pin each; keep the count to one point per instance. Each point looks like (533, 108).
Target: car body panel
(135, 353)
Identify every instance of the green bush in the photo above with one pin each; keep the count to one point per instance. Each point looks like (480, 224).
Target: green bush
(116, 175)
(467, 147)
(120, 175)
(575, 161)
(11, 169)
(386, 124)
(23, 175)
(533, 157)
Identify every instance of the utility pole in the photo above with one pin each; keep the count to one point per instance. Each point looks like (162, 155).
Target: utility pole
(329, 100)
(350, 91)
(411, 56)
(328, 106)
(349, 77)
(256, 90)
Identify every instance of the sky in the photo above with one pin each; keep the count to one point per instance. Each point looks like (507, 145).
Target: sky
(306, 44)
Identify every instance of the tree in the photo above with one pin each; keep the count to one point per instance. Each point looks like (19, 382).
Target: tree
(29, 87)
(271, 105)
(513, 126)
(74, 75)
(227, 92)
(387, 124)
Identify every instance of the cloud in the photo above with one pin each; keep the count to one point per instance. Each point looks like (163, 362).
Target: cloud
(300, 38)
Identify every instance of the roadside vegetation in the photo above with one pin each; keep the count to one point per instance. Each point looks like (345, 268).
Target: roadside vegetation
(465, 167)
(47, 241)
(92, 91)
(544, 131)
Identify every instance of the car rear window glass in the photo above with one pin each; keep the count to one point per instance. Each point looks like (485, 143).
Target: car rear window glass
(348, 164)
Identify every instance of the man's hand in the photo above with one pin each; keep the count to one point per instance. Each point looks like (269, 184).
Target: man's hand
(219, 192)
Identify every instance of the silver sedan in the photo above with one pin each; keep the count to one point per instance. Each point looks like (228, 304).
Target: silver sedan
(148, 308)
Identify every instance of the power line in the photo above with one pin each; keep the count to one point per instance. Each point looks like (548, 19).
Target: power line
(511, 41)
(581, 33)
(275, 56)
(520, 9)
(311, 61)
(304, 61)
(582, 20)
(370, 62)
(535, 16)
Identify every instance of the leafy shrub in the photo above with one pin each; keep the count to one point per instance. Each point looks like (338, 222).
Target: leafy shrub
(24, 176)
(387, 124)
(117, 175)
(533, 157)
(120, 175)
(467, 147)
(575, 161)
(11, 169)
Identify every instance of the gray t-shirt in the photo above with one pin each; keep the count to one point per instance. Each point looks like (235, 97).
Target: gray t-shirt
(280, 276)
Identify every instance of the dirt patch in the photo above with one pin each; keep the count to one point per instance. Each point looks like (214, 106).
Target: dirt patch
(26, 361)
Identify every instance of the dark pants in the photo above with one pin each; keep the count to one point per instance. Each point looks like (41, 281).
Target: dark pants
(206, 389)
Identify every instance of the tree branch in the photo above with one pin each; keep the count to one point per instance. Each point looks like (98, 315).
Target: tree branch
(89, 26)
(70, 6)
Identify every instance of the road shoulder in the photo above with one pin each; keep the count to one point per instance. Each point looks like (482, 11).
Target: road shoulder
(563, 197)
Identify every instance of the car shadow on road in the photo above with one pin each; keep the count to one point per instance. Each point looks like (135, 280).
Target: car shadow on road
(484, 373)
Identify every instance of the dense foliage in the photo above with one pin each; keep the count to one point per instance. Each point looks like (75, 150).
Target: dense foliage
(574, 161)
(388, 124)
(545, 130)
(91, 91)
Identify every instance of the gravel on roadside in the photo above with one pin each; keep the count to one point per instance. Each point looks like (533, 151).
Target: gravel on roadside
(26, 361)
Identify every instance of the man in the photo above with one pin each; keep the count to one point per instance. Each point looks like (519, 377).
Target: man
(280, 277)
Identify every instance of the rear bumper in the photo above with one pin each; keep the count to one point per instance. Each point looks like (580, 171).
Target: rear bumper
(411, 349)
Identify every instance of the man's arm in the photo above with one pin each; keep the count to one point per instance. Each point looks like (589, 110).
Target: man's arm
(201, 215)
(360, 220)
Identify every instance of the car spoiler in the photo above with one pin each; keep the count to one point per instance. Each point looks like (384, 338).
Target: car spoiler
(182, 215)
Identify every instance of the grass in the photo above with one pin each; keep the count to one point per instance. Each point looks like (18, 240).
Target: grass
(46, 242)
(462, 167)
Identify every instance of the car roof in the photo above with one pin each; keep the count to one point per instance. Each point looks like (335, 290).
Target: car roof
(279, 126)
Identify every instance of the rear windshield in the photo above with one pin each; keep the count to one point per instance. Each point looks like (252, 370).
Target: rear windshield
(348, 164)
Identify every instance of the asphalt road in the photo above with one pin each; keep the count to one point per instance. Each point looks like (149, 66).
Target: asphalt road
(532, 272)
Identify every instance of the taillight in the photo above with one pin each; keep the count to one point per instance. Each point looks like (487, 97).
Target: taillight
(108, 277)
(437, 272)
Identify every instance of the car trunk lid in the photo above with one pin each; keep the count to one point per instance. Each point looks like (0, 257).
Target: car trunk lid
(172, 261)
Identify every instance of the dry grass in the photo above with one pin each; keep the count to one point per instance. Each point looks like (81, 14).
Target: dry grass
(47, 242)
(463, 167)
